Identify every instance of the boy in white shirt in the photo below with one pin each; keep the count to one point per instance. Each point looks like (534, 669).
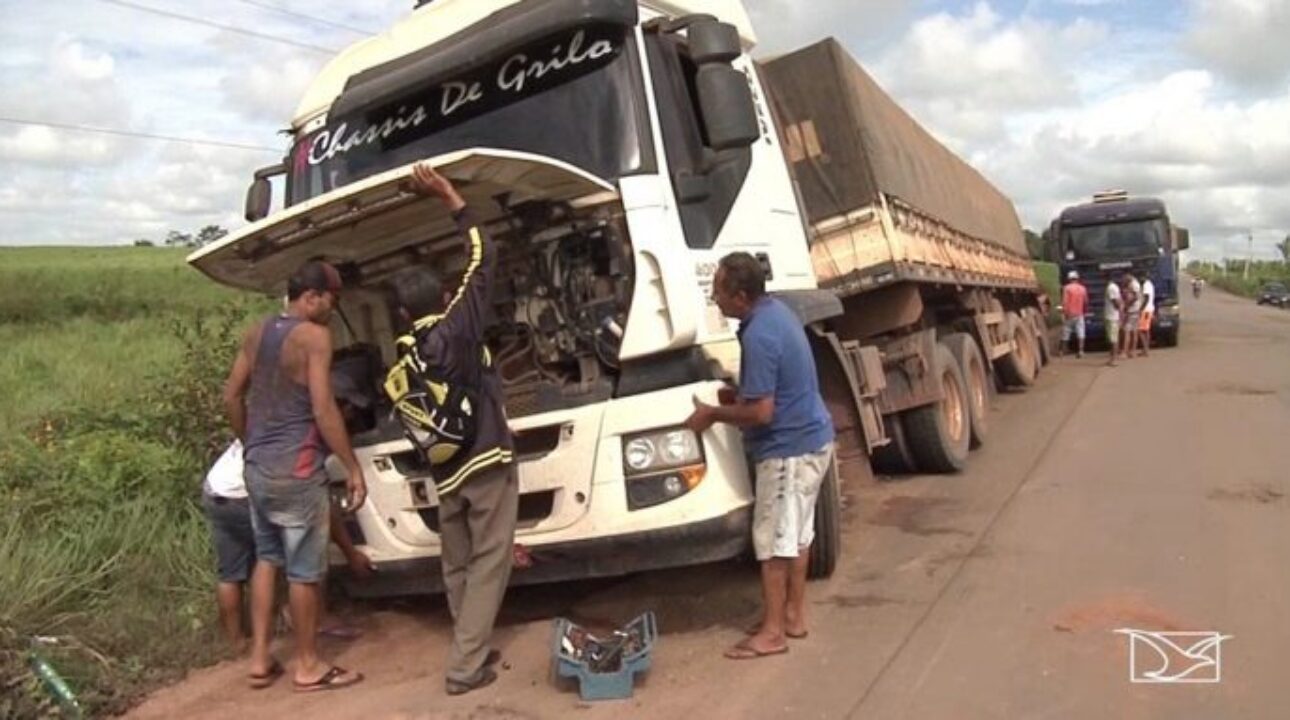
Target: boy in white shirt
(1144, 318)
(1111, 312)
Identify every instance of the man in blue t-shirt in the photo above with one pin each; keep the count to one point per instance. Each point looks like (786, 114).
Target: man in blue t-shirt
(789, 434)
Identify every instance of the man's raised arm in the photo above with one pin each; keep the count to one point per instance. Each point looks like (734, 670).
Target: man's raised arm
(469, 312)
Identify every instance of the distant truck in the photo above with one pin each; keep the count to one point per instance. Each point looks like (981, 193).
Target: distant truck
(1116, 233)
(616, 151)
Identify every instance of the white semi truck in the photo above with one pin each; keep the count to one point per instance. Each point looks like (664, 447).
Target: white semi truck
(616, 150)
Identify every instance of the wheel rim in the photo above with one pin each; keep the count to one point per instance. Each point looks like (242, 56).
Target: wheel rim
(1023, 349)
(976, 386)
(952, 406)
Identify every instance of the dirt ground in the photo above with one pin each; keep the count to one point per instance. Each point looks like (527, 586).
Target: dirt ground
(1150, 496)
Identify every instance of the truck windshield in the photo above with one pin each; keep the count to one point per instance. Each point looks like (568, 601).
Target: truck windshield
(1118, 241)
(579, 101)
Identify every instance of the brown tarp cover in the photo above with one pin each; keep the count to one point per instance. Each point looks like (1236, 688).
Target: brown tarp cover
(864, 144)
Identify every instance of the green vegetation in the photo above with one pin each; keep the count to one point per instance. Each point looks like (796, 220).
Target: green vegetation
(1048, 280)
(110, 376)
(1232, 280)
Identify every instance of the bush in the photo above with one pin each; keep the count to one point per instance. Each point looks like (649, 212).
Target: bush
(1234, 281)
(103, 541)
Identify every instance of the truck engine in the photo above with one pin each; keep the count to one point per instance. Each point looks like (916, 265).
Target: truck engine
(561, 300)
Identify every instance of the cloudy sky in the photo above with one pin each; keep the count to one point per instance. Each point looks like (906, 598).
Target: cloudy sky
(1052, 99)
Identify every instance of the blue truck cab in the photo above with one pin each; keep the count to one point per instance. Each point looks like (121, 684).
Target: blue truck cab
(1115, 234)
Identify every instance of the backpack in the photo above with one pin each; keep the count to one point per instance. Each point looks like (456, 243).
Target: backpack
(438, 415)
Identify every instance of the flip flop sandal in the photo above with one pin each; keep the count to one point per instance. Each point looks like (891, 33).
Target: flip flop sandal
(262, 681)
(334, 679)
(754, 629)
(744, 651)
(341, 632)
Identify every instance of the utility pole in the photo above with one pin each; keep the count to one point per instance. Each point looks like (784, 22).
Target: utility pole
(1249, 253)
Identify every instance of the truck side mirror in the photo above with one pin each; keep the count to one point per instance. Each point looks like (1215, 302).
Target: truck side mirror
(727, 105)
(725, 97)
(260, 195)
(1182, 239)
(712, 41)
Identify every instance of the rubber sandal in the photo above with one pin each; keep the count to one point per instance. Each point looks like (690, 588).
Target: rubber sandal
(744, 651)
(341, 631)
(260, 682)
(334, 679)
(754, 629)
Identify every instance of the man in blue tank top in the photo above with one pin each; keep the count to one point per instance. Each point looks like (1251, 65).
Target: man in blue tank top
(279, 401)
(789, 434)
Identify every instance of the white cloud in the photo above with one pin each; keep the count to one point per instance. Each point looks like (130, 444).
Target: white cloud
(965, 74)
(785, 25)
(1222, 166)
(1245, 40)
(266, 87)
(1050, 108)
(68, 83)
(72, 58)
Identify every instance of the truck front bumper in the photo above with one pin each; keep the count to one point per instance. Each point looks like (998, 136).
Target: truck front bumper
(719, 538)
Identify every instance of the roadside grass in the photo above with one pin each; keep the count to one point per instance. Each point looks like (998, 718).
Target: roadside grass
(49, 285)
(53, 369)
(1234, 281)
(110, 377)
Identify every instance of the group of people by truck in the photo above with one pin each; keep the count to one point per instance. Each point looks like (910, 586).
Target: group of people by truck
(669, 219)
(1129, 304)
(282, 407)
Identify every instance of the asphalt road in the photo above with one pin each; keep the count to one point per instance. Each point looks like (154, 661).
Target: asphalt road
(1151, 496)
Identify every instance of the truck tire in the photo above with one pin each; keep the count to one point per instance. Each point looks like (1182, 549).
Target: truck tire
(976, 384)
(1169, 339)
(822, 558)
(939, 434)
(1042, 344)
(1017, 368)
(894, 458)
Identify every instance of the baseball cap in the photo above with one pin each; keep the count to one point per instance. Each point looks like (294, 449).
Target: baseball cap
(314, 275)
(1072, 275)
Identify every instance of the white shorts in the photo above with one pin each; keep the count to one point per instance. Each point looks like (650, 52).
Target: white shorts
(784, 514)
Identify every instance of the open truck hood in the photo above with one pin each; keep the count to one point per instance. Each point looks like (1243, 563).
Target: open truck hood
(376, 218)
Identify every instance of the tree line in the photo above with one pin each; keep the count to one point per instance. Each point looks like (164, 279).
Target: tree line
(204, 236)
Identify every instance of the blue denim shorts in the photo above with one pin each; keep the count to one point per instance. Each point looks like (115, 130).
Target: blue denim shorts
(232, 536)
(292, 525)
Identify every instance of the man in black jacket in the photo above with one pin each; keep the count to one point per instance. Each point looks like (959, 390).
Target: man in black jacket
(477, 488)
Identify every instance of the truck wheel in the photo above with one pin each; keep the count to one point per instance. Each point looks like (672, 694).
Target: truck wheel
(977, 384)
(822, 558)
(938, 434)
(1169, 339)
(894, 458)
(1017, 368)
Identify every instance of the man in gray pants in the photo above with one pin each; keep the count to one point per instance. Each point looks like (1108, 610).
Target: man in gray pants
(477, 487)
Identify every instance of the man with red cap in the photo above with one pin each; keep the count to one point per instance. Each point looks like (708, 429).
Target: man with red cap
(280, 402)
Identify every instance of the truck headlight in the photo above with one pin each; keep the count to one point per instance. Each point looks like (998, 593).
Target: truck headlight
(660, 450)
(661, 465)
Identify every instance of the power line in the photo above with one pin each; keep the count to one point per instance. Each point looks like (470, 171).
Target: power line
(303, 16)
(145, 136)
(220, 26)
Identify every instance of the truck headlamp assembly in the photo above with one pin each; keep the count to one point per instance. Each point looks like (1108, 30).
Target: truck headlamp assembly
(661, 465)
(660, 450)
